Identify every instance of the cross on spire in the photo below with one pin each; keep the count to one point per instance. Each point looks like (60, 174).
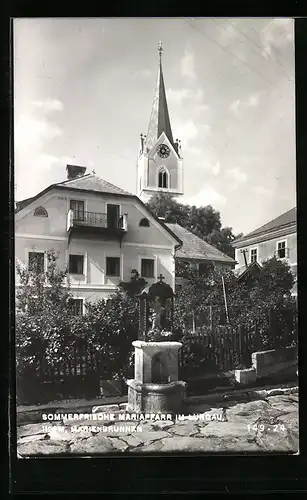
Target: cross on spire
(160, 278)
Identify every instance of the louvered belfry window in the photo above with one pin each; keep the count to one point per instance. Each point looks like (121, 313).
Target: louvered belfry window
(162, 181)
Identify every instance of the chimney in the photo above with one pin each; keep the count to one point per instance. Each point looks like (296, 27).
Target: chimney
(74, 171)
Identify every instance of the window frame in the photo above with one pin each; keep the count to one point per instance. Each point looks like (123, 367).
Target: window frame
(118, 258)
(38, 252)
(250, 254)
(82, 305)
(145, 221)
(76, 200)
(163, 170)
(285, 248)
(45, 215)
(164, 179)
(120, 214)
(83, 264)
(154, 267)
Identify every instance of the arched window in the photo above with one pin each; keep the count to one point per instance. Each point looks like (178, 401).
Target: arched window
(40, 212)
(163, 179)
(144, 222)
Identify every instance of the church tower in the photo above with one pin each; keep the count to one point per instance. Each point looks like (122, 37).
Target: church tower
(159, 166)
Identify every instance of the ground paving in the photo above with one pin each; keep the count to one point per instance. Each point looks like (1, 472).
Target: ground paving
(252, 426)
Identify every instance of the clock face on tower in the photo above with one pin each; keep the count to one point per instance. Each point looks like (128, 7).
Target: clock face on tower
(163, 151)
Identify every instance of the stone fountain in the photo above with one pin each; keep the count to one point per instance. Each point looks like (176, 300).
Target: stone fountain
(155, 387)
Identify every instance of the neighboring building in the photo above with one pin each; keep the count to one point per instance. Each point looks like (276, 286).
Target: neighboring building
(100, 230)
(159, 166)
(276, 238)
(249, 273)
(196, 251)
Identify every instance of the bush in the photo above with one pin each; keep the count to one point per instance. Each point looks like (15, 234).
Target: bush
(112, 326)
(45, 324)
(47, 331)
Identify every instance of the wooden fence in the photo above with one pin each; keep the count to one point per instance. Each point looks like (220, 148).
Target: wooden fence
(75, 376)
(211, 351)
(225, 348)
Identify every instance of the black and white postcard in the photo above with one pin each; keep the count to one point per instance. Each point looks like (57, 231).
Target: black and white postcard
(155, 236)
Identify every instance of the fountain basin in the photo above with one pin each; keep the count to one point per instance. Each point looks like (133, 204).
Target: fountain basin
(156, 398)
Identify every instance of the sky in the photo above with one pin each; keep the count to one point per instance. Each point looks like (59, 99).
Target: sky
(83, 91)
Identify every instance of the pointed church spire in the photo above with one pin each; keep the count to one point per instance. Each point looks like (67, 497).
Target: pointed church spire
(159, 120)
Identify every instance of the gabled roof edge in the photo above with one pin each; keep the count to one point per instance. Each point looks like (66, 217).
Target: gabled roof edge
(56, 186)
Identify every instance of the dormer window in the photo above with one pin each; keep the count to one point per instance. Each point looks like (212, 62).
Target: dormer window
(144, 222)
(40, 212)
(163, 179)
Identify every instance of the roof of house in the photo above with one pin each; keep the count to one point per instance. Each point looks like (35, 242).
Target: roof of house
(286, 219)
(242, 271)
(90, 182)
(24, 203)
(194, 247)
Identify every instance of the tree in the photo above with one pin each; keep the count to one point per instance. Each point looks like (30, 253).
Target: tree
(164, 205)
(205, 222)
(271, 303)
(40, 291)
(276, 279)
(264, 300)
(204, 290)
(46, 326)
(222, 240)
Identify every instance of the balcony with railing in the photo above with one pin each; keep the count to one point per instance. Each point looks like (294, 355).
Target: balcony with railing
(95, 222)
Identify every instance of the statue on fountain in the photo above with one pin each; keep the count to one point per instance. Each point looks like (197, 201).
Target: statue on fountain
(156, 311)
(158, 315)
(155, 387)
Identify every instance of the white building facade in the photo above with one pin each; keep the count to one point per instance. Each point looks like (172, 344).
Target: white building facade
(100, 231)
